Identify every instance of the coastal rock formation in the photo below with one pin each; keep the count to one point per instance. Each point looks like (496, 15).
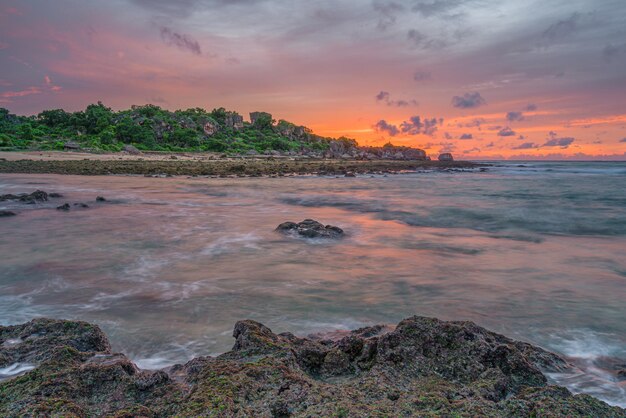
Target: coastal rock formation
(233, 120)
(259, 117)
(446, 156)
(310, 228)
(210, 128)
(423, 367)
(36, 196)
(6, 213)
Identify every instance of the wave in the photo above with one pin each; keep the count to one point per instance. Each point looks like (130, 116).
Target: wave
(597, 358)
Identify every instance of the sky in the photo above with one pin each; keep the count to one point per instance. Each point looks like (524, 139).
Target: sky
(517, 79)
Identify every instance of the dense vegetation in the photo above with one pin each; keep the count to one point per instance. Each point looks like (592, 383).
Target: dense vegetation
(150, 127)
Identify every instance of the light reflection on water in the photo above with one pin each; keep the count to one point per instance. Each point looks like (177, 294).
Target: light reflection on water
(167, 266)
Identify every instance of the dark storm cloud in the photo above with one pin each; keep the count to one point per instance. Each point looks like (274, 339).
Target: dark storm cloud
(622, 140)
(514, 116)
(506, 132)
(468, 101)
(559, 142)
(181, 41)
(416, 125)
(384, 127)
(421, 75)
(387, 12)
(385, 97)
(531, 107)
(525, 145)
(466, 136)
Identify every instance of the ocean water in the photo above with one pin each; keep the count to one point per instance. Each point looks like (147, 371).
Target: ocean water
(166, 266)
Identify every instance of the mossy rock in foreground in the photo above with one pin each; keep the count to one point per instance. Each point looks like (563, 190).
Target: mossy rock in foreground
(422, 367)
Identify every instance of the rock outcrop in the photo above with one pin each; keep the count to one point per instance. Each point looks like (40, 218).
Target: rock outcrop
(6, 213)
(423, 367)
(210, 128)
(310, 228)
(258, 117)
(446, 156)
(34, 197)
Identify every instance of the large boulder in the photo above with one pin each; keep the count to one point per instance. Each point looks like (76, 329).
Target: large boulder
(310, 228)
(71, 146)
(234, 120)
(446, 156)
(131, 149)
(260, 118)
(210, 128)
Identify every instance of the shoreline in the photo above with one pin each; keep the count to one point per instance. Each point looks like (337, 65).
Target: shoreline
(210, 165)
(422, 366)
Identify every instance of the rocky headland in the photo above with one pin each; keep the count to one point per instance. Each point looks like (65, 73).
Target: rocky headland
(421, 367)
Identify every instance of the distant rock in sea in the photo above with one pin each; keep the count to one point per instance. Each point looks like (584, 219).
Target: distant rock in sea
(423, 367)
(446, 156)
(310, 228)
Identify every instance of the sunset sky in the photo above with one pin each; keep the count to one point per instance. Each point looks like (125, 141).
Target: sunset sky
(479, 78)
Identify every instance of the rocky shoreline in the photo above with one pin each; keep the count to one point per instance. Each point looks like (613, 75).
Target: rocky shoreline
(238, 167)
(421, 367)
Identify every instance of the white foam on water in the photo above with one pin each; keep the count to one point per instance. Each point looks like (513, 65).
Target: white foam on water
(15, 369)
(145, 268)
(153, 363)
(231, 243)
(593, 354)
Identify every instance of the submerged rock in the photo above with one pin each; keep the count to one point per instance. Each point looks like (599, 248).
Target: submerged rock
(65, 206)
(310, 228)
(423, 367)
(5, 213)
(100, 199)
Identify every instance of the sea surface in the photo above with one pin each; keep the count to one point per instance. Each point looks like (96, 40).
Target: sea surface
(533, 250)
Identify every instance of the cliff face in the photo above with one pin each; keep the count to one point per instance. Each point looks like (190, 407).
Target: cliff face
(423, 367)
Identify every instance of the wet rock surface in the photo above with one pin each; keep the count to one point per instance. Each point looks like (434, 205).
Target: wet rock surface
(310, 228)
(6, 213)
(423, 367)
(34, 197)
(243, 166)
